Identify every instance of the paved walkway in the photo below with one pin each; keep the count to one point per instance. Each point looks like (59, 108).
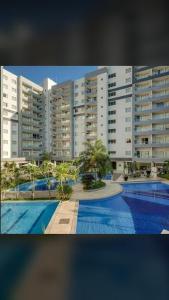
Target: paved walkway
(64, 219)
(110, 189)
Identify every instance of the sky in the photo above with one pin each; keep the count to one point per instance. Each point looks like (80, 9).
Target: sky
(58, 74)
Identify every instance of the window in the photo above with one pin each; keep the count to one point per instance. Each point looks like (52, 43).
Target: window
(128, 90)
(128, 100)
(128, 129)
(128, 109)
(128, 80)
(101, 78)
(13, 90)
(5, 130)
(128, 119)
(111, 121)
(112, 112)
(14, 132)
(76, 86)
(128, 141)
(14, 106)
(112, 130)
(101, 116)
(112, 94)
(111, 141)
(5, 112)
(14, 142)
(5, 86)
(112, 84)
(76, 94)
(112, 152)
(5, 142)
(5, 122)
(14, 153)
(14, 81)
(127, 152)
(5, 153)
(5, 95)
(13, 98)
(5, 77)
(112, 75)
(112, 103)
(101, 88)
(128, 70)
(5, 104)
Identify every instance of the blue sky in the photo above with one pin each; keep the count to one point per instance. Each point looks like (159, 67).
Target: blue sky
(59, 74)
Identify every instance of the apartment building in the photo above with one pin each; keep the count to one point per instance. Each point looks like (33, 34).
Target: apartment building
(30, 111)
(90, 109)
(151, 114)
(62, 121)
(119, 116)
(126, 107)
(9, 115)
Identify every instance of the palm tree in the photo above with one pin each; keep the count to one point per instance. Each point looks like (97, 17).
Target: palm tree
(8, 176)
(65, 171)
(32, 170)
(95, 158)
(47, 169)
(46, 156)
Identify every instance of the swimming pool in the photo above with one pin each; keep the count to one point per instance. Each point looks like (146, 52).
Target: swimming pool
(39, 185)
(26, 217)
(142, 208)
(42, 184)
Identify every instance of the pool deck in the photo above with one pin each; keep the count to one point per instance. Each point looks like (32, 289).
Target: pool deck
(64, 219)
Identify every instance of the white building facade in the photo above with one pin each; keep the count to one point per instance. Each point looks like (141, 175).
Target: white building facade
(9, 115)
(126, 107)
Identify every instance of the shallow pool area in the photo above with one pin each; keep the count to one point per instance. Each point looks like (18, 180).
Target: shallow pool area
(39, 185)
(142, 208)
(26, 217)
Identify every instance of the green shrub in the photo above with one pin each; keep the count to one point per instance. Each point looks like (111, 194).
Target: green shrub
(64, 192)
(166, 176)
(87, 181)
(95, 185)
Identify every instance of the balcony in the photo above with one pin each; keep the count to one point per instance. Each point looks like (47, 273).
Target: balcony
(162, 108)
(151, 121)
(151, 132)
(151, 145)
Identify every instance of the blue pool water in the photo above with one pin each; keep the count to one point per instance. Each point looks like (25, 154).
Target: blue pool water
(39, 185)
(26, 217)
(141, 208)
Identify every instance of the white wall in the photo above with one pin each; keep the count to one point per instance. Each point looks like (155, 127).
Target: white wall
(102, 108)
(9, 115)
(47, 85)
(122, 117)
(79, 116)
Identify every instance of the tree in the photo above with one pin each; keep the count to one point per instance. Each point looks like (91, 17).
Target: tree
(32, 170)
(166, 166)
(95, 159)
(65, 171)
(47, 170)
(9, 176)
(46, 156)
